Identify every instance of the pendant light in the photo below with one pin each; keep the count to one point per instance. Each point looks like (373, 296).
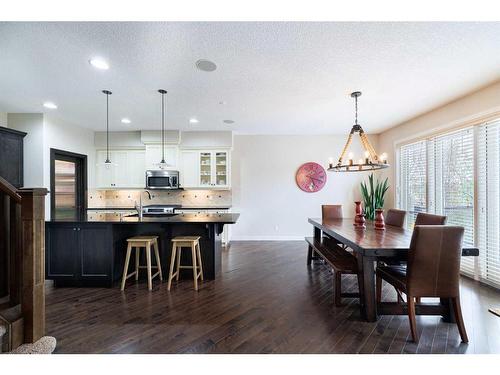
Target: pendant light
(107, 163)
(371, 160)
(163, 164)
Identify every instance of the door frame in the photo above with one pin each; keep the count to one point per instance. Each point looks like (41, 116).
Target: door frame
(81, 180)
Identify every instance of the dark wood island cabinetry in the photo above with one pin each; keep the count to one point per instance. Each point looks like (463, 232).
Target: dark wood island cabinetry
(92, 253)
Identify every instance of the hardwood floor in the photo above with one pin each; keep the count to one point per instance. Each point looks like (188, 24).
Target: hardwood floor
(266, 300)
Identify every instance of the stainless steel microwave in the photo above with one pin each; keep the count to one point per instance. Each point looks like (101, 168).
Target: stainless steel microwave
(162, 179)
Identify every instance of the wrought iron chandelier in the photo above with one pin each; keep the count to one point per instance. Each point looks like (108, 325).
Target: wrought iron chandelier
(371, 160)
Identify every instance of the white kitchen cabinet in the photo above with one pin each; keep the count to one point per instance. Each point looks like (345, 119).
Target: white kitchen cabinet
(136, 169)
(208, 169)
(153, 156)
(127, 169)
(189, 169)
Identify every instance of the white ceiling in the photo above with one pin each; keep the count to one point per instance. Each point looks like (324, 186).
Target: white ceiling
(276, 78)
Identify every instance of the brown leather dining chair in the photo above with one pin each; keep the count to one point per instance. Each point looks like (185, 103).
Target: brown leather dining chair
(433, 271)
(331, 211)
(395, 217)
(429, 219)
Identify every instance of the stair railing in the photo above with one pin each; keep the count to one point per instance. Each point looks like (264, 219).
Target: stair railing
(22, 248)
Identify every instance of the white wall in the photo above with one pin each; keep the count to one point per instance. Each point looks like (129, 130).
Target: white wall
(264, 189)
(473, 108)
(3, 119)
(46, 132)
(31, 123)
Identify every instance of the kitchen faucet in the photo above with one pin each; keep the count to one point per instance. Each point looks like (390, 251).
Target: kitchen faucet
(139, 208)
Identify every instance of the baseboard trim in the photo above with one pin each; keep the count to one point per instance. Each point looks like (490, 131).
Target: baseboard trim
(267, 238)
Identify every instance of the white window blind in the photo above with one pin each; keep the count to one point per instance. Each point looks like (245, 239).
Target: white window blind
(488, 180)
(437, 176)
(412, 180)
(451, 188)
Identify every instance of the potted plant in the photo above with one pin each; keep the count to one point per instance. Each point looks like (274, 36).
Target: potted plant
(373, 196)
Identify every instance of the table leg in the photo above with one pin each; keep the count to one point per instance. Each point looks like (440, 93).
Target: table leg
(366, 282)
(449, 314)
(317, 237)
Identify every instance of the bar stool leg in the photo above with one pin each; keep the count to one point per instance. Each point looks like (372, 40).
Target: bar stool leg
(148, 265)
(172, 262)
(137, 255)
(179, 253)
(157, 255)
(125, 268)
(199, 259)
(195, 270)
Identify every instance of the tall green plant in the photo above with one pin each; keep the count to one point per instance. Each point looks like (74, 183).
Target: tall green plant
(373, 196)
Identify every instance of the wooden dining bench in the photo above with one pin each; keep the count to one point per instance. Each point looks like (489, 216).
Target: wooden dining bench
(340, 260)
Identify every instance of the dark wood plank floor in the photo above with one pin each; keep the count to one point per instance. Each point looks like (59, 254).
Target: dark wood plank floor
(266, 300)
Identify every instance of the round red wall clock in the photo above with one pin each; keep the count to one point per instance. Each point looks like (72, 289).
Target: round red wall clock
(311, 177)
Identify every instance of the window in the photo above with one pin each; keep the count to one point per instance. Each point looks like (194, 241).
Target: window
(413, 180)
(488, 171)
(458, 175)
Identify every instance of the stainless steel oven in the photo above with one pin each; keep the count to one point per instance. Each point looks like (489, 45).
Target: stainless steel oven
(162, 179)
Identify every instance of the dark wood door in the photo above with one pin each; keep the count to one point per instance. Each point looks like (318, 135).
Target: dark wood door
(96, 254)
(62, 252)
(68, 185)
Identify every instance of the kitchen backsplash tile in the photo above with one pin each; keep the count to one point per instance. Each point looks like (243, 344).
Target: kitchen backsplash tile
(127, 198)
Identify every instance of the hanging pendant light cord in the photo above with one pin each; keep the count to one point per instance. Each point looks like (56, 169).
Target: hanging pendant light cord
(163, 128)
(107, 128)
(356, 118)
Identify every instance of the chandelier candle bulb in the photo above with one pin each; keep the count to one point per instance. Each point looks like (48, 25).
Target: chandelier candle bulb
(330, 162)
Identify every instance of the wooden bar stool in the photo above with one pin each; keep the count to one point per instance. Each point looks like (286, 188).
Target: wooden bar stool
(137, 243)
(178, 243)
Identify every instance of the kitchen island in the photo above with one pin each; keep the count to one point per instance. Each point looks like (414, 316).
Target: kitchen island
(91, 251)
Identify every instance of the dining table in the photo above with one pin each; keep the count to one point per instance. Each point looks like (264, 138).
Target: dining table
(369, 246)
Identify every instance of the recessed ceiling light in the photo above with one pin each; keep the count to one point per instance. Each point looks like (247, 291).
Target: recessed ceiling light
(193, 121)
(228, 122)
(126, 121)
(99, 63)
(50, 105)
(206, 65)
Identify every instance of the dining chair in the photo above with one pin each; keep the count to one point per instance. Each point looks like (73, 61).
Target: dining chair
(331, 211)
(395, 217)
(433, 271)
(429, 219)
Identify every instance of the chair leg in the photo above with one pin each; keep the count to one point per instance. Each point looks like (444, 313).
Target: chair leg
(337, 288)
(157, 256)
(125, 267)
(148, 265)
(195, 270)
(459, 318)
(198, 252)
(172, 262)
(137, 257)
(411, 315)
(179, 254)
(379, 289)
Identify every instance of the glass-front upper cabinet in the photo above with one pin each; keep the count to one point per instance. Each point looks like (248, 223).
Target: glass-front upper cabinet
(214, 167)
(206, 169)
(221, 169)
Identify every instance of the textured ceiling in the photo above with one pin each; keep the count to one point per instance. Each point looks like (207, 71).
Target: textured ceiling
(275, 78)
